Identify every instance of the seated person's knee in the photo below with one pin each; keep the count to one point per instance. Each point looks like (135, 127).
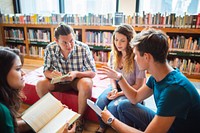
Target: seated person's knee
(86, 83)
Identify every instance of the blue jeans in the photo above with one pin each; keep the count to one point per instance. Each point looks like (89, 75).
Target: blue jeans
(137, 116)
(103, 101)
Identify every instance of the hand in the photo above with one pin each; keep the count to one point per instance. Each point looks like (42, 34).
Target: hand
(105, 114)
(109, 73)
(66, 128)
(113, 94)
(71, 77)
(56, 73)
(65, 106)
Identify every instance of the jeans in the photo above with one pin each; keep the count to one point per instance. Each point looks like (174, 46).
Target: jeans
(103, 101)
(137, 116)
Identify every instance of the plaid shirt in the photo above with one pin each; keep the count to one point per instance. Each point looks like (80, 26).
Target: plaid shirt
(79, 59)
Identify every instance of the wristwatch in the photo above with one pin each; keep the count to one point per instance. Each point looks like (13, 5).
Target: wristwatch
(110, 120)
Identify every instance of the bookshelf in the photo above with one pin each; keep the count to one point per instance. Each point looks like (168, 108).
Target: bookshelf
(100, 45)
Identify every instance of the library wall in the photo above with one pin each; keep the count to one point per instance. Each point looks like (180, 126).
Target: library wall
(6, 6)
(127, 6)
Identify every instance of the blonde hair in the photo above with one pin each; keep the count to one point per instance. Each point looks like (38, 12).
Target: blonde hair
(129, 65)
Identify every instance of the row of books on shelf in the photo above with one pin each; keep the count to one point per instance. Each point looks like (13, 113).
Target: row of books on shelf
(34, 35)
(39, 35)
(73, 19)
(22, 48)
(15, 34)
(146, 19)
(99, 38)
(183, 43)
(165, 20)
(101, 56)
(186, 65)
(36, 51)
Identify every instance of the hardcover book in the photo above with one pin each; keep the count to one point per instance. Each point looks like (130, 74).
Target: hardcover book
(118, 18)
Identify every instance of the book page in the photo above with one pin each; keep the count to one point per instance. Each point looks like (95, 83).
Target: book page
(58, 79)
(54, 126)
(40, 113)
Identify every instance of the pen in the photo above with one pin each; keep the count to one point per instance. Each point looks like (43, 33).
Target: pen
(54, 68)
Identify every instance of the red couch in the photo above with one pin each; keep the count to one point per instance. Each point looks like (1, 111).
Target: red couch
(69, 98)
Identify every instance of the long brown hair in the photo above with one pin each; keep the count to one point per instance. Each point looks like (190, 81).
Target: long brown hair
(128, 65)
(11, 98)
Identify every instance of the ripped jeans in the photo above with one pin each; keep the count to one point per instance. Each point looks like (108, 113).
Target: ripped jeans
(111, 105)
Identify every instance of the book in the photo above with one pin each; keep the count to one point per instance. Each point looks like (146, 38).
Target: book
(194, 21)
(118, 18)
(48, 115)
(198, 21)
(58, 79)
(94, 107)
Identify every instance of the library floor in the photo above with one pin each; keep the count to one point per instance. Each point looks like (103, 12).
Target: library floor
(90, 127)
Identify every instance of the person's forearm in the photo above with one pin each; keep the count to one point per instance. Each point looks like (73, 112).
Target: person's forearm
(121, 93)
(113, 84)
(123, 128)
(89, 74)
(138, 83)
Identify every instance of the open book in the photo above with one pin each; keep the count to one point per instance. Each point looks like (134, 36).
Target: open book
(48, 115)
(58, 79)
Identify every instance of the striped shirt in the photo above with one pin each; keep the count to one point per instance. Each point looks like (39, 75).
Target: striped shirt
(79, 59)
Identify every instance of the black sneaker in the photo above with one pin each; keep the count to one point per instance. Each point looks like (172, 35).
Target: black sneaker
(79, 126)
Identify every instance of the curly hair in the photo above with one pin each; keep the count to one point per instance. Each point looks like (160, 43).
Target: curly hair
(128, 66)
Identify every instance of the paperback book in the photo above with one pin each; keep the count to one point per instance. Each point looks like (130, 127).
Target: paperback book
(59, 79)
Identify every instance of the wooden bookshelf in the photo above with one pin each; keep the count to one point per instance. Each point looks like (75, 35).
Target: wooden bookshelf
(83, 29)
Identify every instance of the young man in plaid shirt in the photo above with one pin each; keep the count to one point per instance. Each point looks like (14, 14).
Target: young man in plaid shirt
(68, 56)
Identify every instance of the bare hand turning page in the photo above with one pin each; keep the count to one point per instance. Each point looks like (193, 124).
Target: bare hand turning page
(48, 115)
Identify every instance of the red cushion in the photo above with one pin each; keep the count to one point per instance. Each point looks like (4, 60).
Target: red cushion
(68, 98)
